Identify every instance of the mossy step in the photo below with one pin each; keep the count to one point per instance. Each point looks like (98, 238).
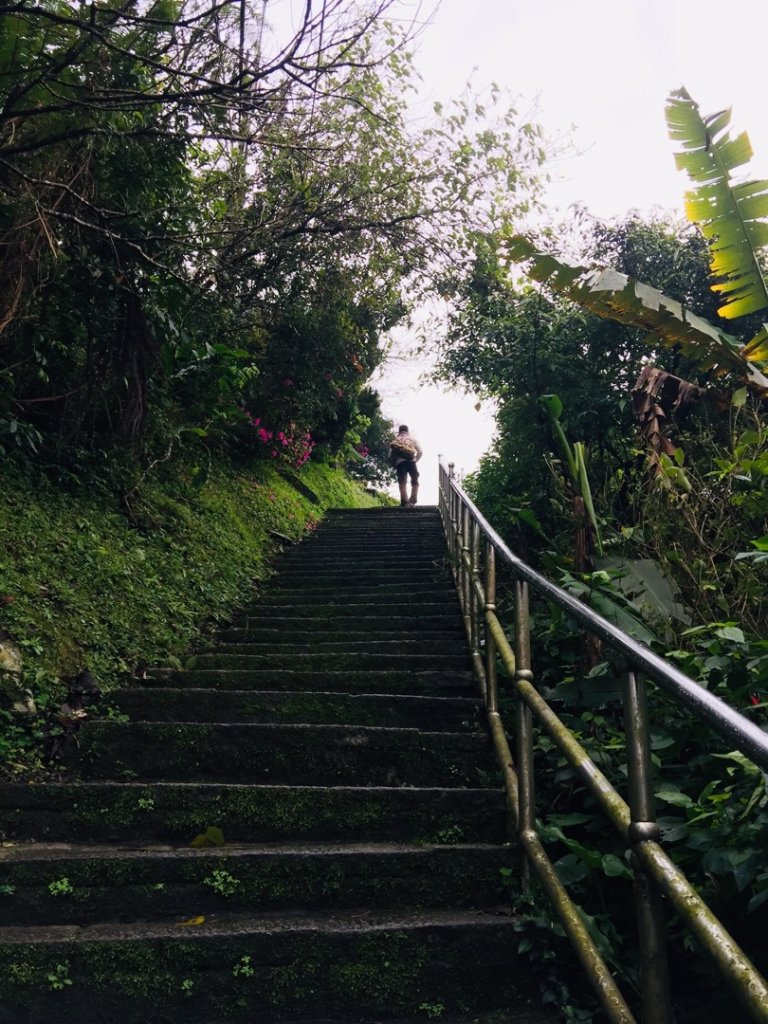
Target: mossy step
(215, 705)
(447, 628)
(384, 551)
(327, 592)
(378, 556)
(343, 555)
(261, 968)
(402, 519)
(342, 539)
(416, 611)
(359, 579)
(297, 643)
(166, 811)
(521, 1013)
(282, 754)
(338, 662)
(393, 512)
(365, 599)
(377, 681)
(362, 570)
(409, 525)
(66, 884)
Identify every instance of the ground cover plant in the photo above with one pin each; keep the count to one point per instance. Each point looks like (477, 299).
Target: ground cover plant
(92, 578)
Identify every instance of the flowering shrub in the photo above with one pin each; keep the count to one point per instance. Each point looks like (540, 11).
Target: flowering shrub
(293, 446)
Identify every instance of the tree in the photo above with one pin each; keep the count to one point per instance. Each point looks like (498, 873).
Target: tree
(522, 343)
(188, 221)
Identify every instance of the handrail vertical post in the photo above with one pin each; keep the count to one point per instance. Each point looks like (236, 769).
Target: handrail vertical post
(453, 501)
(654, 968)
(526, 790)
(478, 606)
(466, 581)
(491, 675)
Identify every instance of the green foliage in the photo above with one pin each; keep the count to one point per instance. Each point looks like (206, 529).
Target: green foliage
(732, 217)
(175, 255)
(243, 968)
(61, 887)
(222, 882)
(433, 1011)
(712, 806)
(670, 562)
(369, 442)
(59, 978)
(616, 296)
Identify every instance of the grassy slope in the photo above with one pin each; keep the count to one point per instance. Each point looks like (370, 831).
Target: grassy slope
(88, 580)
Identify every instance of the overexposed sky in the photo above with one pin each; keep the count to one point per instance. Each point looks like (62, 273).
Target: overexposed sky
(599, 71)
(606, 67)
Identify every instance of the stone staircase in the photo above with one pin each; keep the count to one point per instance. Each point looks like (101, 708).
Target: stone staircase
(330, 742)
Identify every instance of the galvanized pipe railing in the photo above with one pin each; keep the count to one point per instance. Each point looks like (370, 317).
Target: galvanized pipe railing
(475, 549)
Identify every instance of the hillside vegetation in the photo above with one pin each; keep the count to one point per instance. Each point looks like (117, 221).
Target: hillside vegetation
(91, 579)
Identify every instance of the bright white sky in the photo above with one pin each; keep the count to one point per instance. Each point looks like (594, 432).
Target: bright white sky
(604, 68)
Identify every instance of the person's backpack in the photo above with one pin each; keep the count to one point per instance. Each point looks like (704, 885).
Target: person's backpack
(401, 448)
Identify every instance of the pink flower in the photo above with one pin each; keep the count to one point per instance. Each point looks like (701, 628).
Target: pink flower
(287, 382)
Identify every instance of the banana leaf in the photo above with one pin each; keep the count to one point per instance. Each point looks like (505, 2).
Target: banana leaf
(732, 216)
(616, 296)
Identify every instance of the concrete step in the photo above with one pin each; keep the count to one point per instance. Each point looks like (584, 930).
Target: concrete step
(328, 902)
(157, 704)
(383, 597)
(262, 967)
(178, 812)
(380, 540)
(357, 578)
(297, 643)
(365, 601)
(427, 683)
(338, 662)
(376, 555)
(295, 754)
(81, 884)
(418, 519)
(352, 611)
(344, 555)
(404, 627)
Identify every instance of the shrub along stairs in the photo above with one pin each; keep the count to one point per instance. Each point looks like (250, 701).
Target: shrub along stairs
(303, 824)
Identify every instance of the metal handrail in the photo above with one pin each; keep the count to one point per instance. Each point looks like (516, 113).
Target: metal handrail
(475, 547)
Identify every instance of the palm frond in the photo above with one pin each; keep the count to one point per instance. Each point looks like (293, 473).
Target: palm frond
(616, 296)
(731, 216)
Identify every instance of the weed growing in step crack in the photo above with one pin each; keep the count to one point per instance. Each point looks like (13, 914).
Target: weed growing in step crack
(61, 887)
(59, 978)
(222, 882)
